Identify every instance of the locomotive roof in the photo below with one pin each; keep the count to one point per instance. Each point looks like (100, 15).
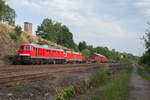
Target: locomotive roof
(99, 54)
(73, 52)
(43, 46)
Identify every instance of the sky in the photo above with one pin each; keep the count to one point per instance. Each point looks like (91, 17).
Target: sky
(116, 24)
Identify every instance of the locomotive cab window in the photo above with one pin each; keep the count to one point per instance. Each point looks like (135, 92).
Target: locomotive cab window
(22, 47)
(32, 49)
(27, 47)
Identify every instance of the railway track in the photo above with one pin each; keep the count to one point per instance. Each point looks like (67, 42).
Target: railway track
(20, 78)
(20, 73)
(40, 67)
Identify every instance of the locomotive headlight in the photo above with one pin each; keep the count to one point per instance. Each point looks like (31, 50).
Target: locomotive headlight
(24, 54)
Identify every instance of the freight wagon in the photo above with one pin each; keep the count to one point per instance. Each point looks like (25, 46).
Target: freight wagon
(97, 58)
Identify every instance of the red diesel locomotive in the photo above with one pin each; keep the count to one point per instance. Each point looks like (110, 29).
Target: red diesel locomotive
(35, 53)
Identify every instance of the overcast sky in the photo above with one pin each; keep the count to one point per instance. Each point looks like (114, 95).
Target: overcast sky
(117, 24)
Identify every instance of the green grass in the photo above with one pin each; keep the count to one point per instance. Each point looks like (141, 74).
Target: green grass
(147, 68)
(142, 74)
(117, 87)
(100, 77)
(113, 87)
(18, 88)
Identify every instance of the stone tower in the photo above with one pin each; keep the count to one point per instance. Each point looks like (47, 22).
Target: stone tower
(28, 27)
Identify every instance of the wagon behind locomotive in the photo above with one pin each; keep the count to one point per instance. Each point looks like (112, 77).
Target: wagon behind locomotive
(96, 58)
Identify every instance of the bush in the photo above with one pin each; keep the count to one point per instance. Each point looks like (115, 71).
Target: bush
(18, 30)
(64, 93)
(145, 59)
(13, 36)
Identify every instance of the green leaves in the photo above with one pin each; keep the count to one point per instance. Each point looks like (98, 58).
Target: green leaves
(55, 32)
(64, 93)
(82, 46)
(7, 14)
(145, 59)
(18, 30)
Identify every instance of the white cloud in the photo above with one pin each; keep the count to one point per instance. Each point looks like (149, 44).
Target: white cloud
(143, 3)
(144, 6)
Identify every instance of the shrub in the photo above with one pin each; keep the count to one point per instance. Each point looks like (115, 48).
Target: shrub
(64, 93)
(18, 30)
(13, 36)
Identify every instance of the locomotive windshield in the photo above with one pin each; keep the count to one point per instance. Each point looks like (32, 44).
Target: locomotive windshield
(27, 47)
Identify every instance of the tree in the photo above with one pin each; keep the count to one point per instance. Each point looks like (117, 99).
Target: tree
(91, 48)
(9, 16)
(65, 38)
(18, 30)
(45, 29)
(146, 56)
(82, 45)
(55, 32)
(145, 59)
(2, 8)
(147, 39)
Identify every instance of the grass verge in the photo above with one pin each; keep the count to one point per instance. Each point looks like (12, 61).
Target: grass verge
(117, 87)
(142, 74)
(147, 68)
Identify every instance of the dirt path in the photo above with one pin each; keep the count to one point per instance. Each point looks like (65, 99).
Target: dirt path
(139, 87)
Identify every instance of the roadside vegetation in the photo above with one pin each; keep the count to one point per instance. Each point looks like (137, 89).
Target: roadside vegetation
(117, 87)
(142, 74)
(101, 86)
(145, 59)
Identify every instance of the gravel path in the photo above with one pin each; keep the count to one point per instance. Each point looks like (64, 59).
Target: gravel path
(139, 87)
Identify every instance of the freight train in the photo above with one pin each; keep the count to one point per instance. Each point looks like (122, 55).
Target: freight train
(33, 53)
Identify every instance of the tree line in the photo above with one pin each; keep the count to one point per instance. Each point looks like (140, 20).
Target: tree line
(60, 34)
(112, 55)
